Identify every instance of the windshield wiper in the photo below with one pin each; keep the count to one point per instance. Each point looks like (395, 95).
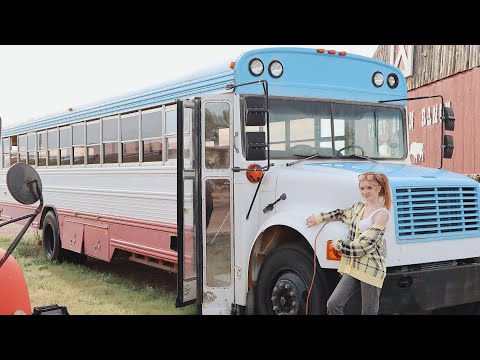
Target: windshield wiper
(316, 155)
(354, 156)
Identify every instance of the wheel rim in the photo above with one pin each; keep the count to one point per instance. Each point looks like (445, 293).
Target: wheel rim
(288, 294)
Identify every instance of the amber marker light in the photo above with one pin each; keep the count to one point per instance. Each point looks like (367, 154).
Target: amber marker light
(254, 173)
(321, 51)
(332, 52)
(332, 254)
(342, 53)
(232, 64)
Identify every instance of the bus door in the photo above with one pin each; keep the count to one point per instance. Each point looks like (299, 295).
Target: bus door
(205, 208)
(189, 219)
(217, 204)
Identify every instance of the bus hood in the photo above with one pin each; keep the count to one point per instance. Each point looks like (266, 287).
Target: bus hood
(429, 205)
(399, 175)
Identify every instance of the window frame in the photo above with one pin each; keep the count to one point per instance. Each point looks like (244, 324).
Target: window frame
(161, 110)
(121, 142)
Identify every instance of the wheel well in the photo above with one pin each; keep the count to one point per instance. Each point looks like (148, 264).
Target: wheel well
(45, 210)
(273, 238)
(269, 240)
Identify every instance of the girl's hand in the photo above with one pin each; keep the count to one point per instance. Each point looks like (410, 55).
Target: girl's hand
(311, 221)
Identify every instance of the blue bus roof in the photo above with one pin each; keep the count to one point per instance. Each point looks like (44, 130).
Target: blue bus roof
(307, 73)
(311, 74)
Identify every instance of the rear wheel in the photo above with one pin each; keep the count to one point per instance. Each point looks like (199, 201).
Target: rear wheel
(52, 247)
(284, 281)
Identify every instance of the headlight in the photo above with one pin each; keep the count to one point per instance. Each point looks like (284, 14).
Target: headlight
(377, 79)
(256, 67)
(275, 69)
(392, 81)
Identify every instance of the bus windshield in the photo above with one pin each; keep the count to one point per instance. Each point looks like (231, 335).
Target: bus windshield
(300, 128)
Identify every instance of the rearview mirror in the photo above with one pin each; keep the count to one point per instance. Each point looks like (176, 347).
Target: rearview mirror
(448, 146)
(448, 118)
(25, 186)
(21, 180)
(256, 111)
(256, 146)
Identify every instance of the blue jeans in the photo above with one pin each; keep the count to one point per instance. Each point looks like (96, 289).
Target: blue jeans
(346, 288)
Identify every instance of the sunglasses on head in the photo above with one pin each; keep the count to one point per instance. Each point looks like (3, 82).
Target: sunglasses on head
(368, 177)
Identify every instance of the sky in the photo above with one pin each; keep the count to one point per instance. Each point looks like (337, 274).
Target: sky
(41, 80)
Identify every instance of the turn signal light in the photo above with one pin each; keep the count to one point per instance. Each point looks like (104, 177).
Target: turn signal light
(232, 64)
(332, 254)
(254, 173)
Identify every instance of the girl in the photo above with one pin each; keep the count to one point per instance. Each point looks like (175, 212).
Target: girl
(363, 251)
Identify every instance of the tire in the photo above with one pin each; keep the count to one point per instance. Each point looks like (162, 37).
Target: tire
(284, 281)
(52, 246)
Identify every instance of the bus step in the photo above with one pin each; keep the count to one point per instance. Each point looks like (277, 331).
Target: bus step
(158, 263)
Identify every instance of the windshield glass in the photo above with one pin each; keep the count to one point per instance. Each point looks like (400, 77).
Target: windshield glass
(305, 127)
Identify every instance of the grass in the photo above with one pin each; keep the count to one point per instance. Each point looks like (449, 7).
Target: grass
(97, 287)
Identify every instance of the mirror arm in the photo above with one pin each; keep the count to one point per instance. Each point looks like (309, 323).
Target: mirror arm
(441, 117)
(17, 219)
(25, 227)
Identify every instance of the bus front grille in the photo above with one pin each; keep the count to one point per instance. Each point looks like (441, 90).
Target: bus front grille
(436, 213)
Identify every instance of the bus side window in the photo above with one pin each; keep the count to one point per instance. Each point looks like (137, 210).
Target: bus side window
(110, 139)
(93, 142)
(6, 152)
(52, 144)
(22, 148)
(152, 145)
(170, 133)
(217, 135)
(130, 132)
(78, 142)
(31, 148)
(42, 148)
(65, 145)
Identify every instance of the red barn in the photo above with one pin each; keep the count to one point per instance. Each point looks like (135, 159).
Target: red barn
(451, 71)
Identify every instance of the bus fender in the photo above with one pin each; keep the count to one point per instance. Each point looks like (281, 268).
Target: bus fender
(45, 210)
(332, 230)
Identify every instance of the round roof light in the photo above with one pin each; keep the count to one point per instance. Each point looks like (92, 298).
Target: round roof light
(392, 80)
(256, 67)
(377, 79)
(275, 69)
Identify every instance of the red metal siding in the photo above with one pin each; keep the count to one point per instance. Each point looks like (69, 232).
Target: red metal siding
(463, 92)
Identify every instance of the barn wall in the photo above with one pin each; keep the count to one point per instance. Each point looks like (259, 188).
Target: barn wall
(462, 91)
(435, 62)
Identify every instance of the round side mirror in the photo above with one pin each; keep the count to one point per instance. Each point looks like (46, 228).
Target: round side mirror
(21, 179)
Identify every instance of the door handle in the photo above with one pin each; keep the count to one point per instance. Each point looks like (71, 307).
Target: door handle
(235, 142)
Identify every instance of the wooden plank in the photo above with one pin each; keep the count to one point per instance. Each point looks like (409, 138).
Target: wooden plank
(466, 123)
(435, 62)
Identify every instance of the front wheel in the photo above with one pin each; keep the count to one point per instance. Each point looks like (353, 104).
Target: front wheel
(284, 281)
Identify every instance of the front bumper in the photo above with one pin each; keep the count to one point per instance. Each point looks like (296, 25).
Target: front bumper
(430, 288)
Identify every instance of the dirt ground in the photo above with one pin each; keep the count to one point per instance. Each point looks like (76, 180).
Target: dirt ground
(12, 230)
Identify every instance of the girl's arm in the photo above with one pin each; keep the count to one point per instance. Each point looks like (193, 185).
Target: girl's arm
(343, 215)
